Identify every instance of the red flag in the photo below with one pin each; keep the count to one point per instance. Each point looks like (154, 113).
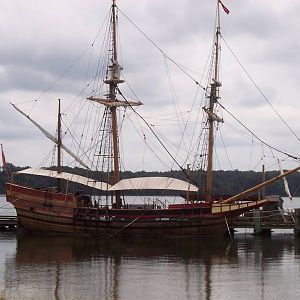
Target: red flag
(3, 156)
(224, 7)
(5, 164)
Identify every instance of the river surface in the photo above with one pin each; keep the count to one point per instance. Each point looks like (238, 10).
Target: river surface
(247, 267)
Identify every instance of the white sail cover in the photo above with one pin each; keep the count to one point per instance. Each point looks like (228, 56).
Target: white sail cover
(98, 185)
(153, 183)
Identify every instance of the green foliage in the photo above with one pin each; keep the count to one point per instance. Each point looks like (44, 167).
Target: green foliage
(224, 182)
(3, 175)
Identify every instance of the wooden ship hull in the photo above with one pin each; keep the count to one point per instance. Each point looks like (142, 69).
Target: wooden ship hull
(46, 211)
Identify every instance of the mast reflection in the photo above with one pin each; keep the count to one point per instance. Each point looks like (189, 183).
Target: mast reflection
(88, 267)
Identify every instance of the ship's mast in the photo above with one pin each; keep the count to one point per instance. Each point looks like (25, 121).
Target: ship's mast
(111, 102)
(112, 95)
(212, 117)
(59, 143)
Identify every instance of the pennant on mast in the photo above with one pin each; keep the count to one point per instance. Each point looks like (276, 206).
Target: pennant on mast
(226, 10)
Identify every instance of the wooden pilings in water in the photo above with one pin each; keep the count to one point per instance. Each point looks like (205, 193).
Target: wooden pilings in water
(258, 230)
(297, 222)
(257, 221)
(276, 203)
(272, 216)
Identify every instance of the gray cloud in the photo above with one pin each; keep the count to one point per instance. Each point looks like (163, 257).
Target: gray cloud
(43, 38)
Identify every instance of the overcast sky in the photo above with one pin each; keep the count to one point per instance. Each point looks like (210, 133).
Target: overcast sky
(40, 40)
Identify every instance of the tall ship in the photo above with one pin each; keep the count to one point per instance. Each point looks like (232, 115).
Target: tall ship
(58, 208)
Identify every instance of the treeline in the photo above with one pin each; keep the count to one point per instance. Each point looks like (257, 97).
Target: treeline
(224, 182)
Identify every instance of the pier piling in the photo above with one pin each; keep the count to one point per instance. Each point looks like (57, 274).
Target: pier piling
(297, 222)
(257, 221)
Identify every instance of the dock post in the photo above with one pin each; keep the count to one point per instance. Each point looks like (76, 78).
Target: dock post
(297, 222)
(257, 221)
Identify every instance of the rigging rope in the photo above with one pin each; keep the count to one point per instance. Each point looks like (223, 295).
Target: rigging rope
(160, 50)
(226, 152)
(258, 138)
(146, 142)
(156, 136)
(260, 91)
(58, 78)
(66, 70)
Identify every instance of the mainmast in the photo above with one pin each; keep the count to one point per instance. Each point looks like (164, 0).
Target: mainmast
(111, 102)
(112, 94)
(213, 97)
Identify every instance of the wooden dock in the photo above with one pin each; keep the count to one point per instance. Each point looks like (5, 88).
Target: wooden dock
(263, 222)
(8, 222)
(271, 216)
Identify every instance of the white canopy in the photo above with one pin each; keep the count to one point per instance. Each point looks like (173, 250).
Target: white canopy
(153, 183)
(98, 185)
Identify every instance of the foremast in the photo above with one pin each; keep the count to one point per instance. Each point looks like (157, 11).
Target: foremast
(111, 102)
(213, 98)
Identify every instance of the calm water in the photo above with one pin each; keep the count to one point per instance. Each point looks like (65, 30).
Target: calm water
(36, 267)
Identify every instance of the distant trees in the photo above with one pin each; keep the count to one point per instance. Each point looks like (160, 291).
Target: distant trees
(3, 175)
(224, 183)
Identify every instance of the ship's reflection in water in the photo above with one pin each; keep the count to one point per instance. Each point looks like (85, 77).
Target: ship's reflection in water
(96, 268)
